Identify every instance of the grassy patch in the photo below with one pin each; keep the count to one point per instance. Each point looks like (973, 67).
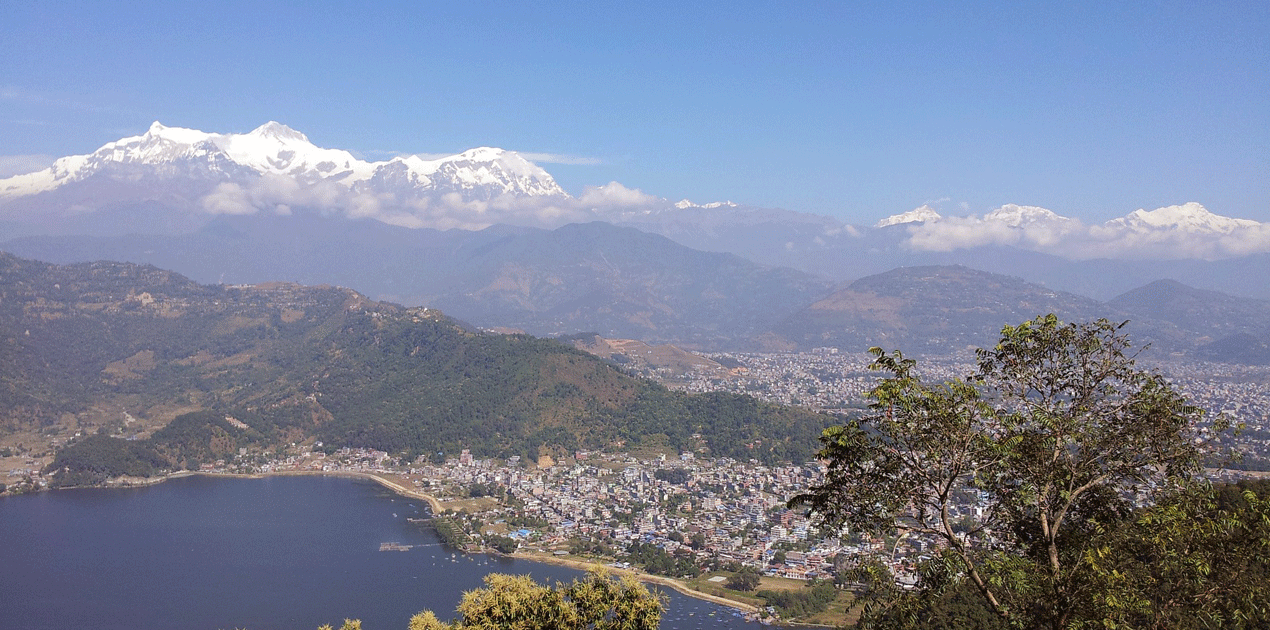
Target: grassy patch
(703, 584)
(843, 611)
(780, 584)
(473, 506)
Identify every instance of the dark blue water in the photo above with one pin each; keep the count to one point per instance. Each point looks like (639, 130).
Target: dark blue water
(207, 553)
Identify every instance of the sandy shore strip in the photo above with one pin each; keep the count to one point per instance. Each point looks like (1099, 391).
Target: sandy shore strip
(583, 565)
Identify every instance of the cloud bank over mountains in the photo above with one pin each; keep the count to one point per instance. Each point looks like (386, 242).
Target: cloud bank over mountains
(276, 170)
(1182, 231)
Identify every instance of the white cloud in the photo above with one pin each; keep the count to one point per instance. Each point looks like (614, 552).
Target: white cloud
(283, 195)
(1118, 238)
(228, 198)
(952, 233)
(1117, 241)
(11, 165)
(615, 194)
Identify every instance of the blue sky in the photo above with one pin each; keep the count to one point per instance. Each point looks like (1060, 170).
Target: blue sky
(852, 109)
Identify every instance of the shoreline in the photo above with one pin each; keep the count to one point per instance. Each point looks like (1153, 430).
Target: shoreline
(434, 505)
(436, 508)
(677, 585)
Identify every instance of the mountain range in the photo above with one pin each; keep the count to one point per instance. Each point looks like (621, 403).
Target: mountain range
(170, 179)
(596, 277)
(186, 176)
(489, 237)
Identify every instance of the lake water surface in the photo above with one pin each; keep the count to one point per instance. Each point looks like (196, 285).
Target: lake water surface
(214, 553)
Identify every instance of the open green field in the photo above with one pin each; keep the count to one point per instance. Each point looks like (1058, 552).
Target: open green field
(842, 611)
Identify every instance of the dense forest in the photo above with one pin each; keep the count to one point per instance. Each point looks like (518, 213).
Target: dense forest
(287, 363)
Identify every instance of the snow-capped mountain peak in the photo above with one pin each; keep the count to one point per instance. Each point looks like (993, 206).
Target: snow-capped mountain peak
(274, 129)
(478, 154)
(484, 172)
(1014, 215)
(684, 204)
(157, 134)
(921, 214)
(1188, 217)
(274, 149)
(278, 149)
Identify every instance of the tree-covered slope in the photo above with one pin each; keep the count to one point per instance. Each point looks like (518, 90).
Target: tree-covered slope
(292, 362)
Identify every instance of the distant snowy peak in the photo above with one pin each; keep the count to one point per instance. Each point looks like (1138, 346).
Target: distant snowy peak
(1014, 215)
(274, 129)
(922, 214)
(1189, 217)
(684, 204)
(166, 149)
(277, 149)
(274, 149)
(492, 169)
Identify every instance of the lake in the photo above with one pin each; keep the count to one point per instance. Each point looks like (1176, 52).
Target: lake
(218, 553)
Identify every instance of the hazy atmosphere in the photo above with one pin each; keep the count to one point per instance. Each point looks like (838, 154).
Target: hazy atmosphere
(876, 315)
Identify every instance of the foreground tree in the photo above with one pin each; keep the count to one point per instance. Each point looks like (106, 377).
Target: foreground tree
(597, 602)
(1196, 560)
(1054, 439)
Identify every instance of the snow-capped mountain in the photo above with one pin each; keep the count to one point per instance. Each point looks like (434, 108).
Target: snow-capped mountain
(1188, 217)
(921, 214)
(275, 150)
(684, 204)
(172, 180)
(1016, 216)
(481, 173)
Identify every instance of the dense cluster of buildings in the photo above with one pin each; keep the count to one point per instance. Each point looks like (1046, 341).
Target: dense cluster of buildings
(839, 382)
(717, 512)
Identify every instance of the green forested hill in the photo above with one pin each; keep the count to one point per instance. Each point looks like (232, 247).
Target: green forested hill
(81, 345)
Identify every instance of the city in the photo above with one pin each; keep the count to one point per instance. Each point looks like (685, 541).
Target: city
(687, 516)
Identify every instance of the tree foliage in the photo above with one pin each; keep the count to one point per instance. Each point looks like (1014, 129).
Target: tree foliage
(96, 458)
(802, 602)
(747, 579)
(1197, 560)
(596, 602)
(658, 561)
(1057, 435)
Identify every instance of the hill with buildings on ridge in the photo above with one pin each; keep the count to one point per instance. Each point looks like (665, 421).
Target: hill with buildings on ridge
(112, 351)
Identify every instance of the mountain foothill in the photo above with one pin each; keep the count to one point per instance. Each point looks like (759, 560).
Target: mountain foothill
(204, 370)
(225, 299)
